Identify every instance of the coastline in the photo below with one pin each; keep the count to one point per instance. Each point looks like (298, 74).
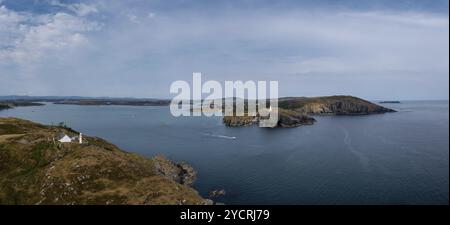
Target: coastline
(37, 169)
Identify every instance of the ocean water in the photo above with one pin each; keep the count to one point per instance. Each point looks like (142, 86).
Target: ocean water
(393, 158)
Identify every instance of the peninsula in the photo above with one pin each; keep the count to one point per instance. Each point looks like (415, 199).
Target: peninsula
(11, 104)
(297, 111)
(37, 169)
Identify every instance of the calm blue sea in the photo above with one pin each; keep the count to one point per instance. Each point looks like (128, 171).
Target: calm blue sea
(394, 158)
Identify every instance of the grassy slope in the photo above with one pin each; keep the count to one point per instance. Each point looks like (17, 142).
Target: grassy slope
(36, 170)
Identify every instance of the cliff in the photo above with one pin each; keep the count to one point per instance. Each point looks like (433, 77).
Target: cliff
(335, 105)
(239, 121)
(286, 118)
(35, 169)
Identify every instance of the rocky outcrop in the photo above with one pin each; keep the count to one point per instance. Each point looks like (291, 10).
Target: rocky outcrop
(179, 172)
(240, 121)
(286, 118)
(289, 118)
(217, 193)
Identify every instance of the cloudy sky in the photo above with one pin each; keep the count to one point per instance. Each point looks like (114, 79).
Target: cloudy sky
(371, 49)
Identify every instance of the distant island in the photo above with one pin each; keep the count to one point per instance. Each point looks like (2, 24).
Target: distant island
(332, 105)
(12, 104)
(8, 102)
(386, 102)
(35, 168)
(133, 102)
(297, 111)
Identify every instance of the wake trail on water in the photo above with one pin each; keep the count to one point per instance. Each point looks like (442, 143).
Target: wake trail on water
(362, 158)
(220, 136)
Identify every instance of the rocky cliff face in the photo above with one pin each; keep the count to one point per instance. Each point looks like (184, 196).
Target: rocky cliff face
(289, 118)
(36, 169)
(286, 118)
(179, 172)
(336, 105)
(239, 121)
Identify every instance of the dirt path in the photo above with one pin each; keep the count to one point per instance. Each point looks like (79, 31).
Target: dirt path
(8, 136)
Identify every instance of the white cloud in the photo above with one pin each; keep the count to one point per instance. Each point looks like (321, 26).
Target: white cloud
(80, 9)
(26, 37)
(151, 15)
(10, 27)
(140, 51)
(133, 18)
(408, 18)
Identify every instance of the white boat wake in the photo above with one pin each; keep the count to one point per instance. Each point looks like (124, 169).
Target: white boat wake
(220, 136)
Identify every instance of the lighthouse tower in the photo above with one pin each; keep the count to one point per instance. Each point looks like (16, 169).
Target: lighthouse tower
(80, 138)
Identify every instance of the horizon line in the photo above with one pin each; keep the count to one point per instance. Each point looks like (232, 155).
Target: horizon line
(168, 98)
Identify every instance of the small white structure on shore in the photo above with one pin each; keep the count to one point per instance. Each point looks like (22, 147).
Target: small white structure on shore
(63, 138)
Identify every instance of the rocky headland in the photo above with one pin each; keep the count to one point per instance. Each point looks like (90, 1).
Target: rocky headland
(11, 104)
(297, 111)
(286, 118)
(331, 105)
(37, 169)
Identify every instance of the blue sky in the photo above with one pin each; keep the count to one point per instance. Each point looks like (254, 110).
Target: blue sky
(371, 49)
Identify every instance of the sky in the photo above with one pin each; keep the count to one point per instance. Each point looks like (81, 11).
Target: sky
(379, 50)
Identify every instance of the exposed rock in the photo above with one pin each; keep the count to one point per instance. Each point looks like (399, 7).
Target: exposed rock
(289, 118)
(217, 193)
(208, 202)
(286, 118)
(239, 121)
(179, 172)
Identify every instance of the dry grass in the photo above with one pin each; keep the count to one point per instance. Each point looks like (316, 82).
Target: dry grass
(36, 170)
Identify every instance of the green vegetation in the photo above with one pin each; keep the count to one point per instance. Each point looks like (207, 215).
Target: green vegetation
(296, 111)
(36, 169)
(337, 105)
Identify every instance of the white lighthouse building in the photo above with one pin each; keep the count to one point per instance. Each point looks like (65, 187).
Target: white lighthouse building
(63, 138)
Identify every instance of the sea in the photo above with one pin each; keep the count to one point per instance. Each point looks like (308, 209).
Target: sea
(392, 158)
